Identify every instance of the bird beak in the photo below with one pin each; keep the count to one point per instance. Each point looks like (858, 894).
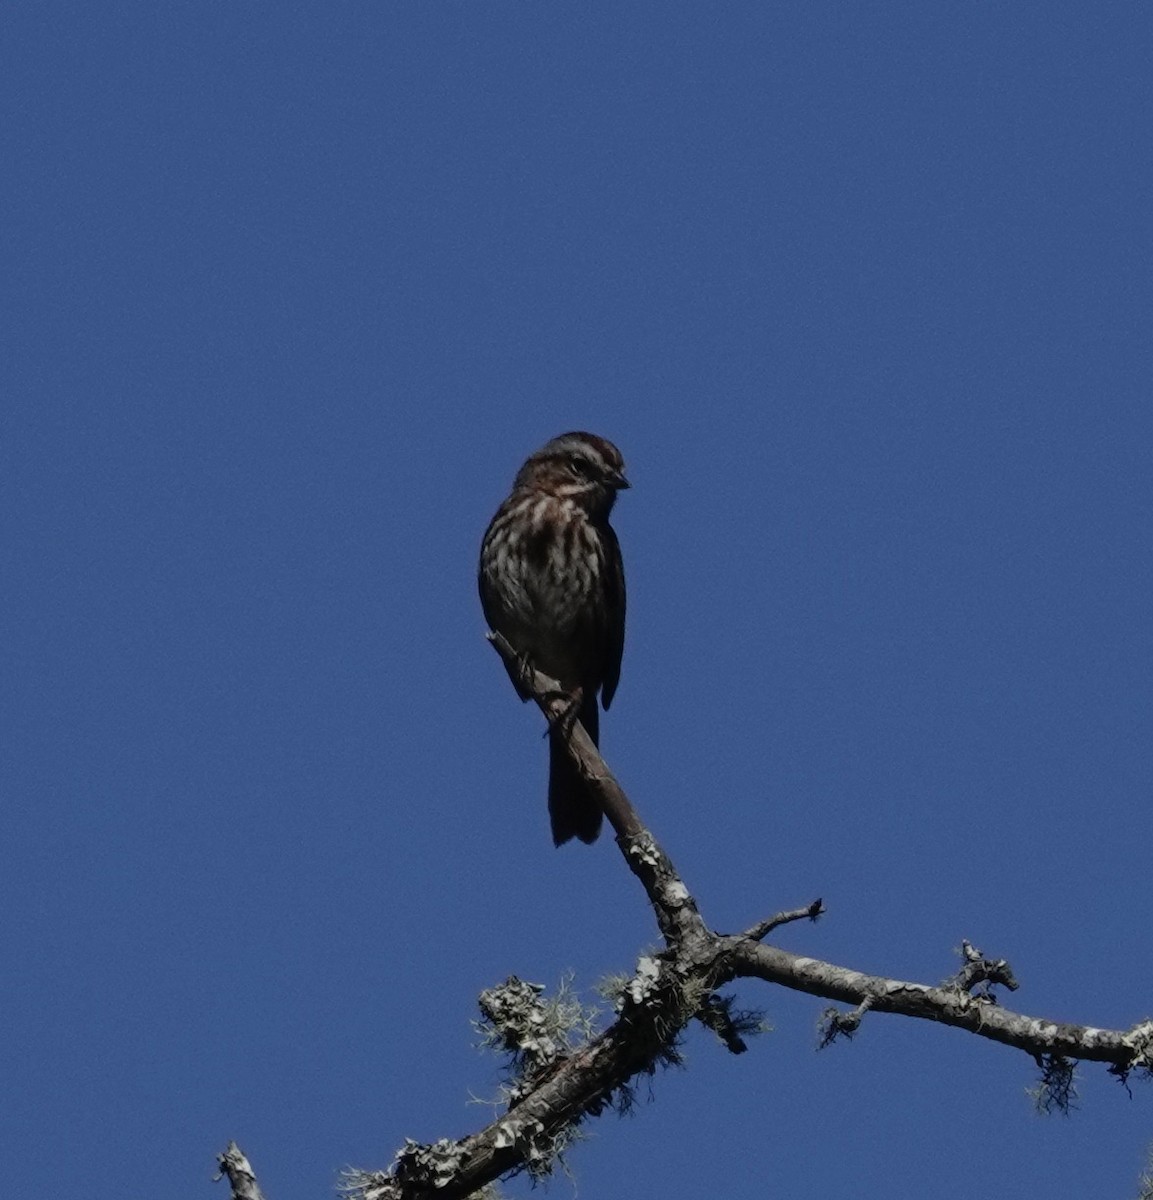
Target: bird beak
(618, 481)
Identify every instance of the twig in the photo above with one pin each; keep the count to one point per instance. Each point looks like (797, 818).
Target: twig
(810, 912)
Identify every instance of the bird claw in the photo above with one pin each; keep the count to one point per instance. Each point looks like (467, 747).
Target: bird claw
(564, 719)
(523, 676)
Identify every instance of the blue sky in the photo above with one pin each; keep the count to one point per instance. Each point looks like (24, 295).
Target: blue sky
(863, 294)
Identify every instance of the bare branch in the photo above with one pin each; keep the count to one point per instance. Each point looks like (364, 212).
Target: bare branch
(982, 972)
(837, 1024)
(656, 1005)
(669, 990)
(948, 1006)
(675, 909)
(562, 1084)
(810, 912)
(552, 700)
(238, 1170)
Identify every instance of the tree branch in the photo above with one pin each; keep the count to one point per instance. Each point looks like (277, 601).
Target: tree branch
(239, 1173)
(1123, 1049)
(762, 929)
(552, 700)
(671, 988)
(675, 909)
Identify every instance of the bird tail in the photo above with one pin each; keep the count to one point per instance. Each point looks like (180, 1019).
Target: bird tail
(572, 809)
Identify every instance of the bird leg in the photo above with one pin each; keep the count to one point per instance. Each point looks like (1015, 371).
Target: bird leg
(522, 678)
(563, 719)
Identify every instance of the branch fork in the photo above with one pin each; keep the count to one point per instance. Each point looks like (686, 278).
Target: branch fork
(679, 984)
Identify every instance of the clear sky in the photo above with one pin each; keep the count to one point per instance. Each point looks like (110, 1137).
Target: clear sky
(862, 291)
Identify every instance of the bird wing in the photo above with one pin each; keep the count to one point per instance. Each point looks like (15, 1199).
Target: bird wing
(615, 605)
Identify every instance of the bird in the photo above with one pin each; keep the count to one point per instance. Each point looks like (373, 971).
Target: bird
(552, 581)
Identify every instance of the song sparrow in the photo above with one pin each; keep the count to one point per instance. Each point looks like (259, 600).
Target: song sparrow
(551, 580)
